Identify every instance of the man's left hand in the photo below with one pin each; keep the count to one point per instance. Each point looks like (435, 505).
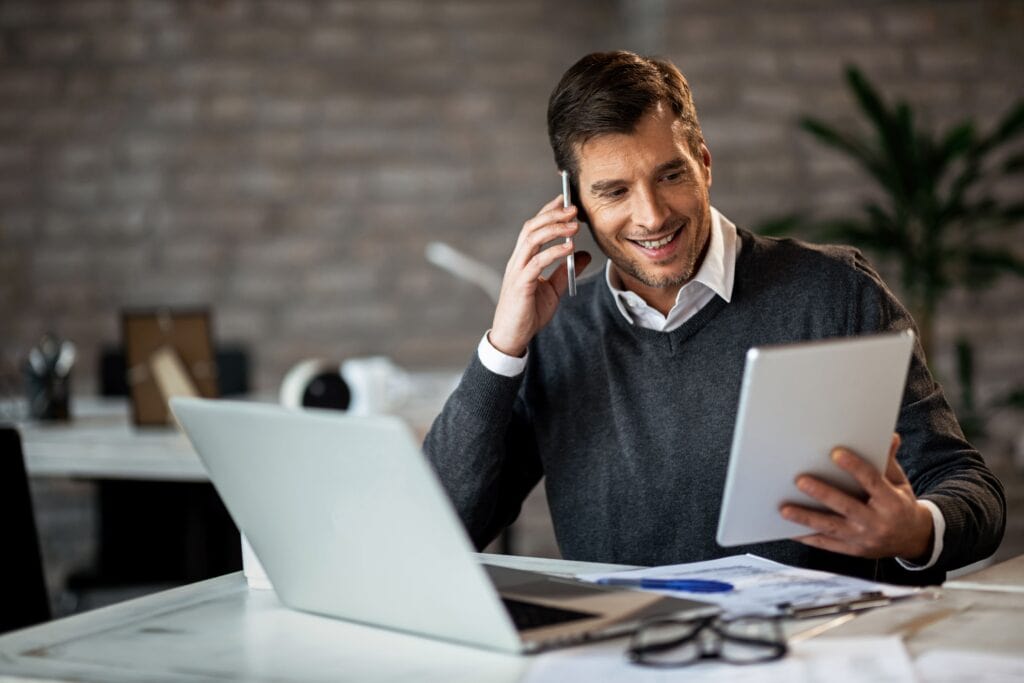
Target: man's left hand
(889, 523)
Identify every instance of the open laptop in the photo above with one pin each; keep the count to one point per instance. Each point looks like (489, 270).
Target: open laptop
(349, 520)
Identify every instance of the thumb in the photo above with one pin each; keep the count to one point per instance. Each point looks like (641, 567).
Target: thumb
(893, 472)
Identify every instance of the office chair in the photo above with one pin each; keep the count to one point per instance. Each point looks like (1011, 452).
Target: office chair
(24, 600)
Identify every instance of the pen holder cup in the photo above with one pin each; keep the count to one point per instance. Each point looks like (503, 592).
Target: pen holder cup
(255, 575)
(48, 396)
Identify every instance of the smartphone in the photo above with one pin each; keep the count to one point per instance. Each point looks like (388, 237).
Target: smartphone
(570, 260)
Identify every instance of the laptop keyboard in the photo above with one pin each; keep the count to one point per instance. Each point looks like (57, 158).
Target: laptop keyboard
(527, 615)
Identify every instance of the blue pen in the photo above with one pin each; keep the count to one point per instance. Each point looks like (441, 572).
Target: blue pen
(688, 585)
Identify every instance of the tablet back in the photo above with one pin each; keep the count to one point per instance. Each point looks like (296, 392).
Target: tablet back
(797, 403)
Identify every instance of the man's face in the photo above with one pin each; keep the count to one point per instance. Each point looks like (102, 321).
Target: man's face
(647, 200)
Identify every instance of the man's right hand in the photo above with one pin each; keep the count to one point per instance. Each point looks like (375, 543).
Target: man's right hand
(528, 300)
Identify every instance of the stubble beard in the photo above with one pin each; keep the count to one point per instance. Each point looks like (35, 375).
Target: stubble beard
(635, 270)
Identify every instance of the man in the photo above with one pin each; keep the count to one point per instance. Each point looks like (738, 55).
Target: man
(624, 397)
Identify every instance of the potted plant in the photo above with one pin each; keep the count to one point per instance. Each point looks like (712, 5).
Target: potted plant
(935, 213)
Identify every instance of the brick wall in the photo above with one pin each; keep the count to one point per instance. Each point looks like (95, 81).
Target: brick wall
(287, 161)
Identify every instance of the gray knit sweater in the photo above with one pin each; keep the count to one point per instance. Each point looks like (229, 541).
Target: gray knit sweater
(631, 428)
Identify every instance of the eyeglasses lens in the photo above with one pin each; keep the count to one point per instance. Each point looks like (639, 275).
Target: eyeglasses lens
(742, 641)
(746, 641)
(667, 643)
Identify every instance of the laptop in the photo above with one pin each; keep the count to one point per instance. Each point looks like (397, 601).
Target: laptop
(349, 520)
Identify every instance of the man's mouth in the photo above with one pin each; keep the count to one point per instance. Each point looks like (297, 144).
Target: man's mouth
(658, 243)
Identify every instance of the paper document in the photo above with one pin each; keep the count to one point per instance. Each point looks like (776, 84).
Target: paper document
(829, 660)
(761, 586)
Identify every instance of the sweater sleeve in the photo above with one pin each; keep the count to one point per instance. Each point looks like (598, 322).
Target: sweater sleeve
(482, 448)
(941, 465)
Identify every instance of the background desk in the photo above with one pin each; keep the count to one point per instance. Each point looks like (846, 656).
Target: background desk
(218, 630)
(102, 443)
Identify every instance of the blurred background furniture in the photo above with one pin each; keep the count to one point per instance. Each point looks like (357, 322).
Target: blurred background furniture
(153, 532)
(23, 596)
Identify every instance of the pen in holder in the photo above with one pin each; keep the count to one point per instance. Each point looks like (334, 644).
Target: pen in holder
(48, 378)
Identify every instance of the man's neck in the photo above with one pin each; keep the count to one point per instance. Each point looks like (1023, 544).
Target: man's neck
(661, 299)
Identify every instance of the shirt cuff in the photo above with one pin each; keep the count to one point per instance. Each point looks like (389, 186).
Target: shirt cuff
(939, 524)
(500, 363)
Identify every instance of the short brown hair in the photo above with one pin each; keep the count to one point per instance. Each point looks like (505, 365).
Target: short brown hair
(609, 92)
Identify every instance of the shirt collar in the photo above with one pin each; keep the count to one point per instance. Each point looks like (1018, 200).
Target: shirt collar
(717, 271)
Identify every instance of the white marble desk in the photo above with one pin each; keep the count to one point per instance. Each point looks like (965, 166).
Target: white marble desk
(981, 613)
(102, 443)
(219, 630)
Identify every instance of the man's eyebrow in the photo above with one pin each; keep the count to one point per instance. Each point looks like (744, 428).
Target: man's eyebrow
(671, 165)
(604, 185)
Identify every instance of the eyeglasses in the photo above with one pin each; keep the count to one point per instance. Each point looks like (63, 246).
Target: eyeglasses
(673, 642)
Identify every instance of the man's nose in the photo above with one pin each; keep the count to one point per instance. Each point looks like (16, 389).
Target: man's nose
(649, 211)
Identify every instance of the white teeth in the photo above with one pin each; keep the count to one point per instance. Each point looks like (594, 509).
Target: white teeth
(646, 244)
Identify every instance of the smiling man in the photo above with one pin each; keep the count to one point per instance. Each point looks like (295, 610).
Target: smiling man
(624, 397)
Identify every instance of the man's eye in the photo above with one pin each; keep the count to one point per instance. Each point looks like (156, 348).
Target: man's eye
(614, 194)
(672, 177)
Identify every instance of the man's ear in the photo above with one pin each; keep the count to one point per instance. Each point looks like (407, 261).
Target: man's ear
(705, 159)
(577, 200)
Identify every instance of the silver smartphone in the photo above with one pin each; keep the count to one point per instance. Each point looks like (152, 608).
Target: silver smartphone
(570, 260)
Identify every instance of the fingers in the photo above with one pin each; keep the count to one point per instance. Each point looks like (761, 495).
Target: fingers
(866, 474)
(560, 277)
(823, 522)
(548, 225)
(557, 201)
(552, 212)
(535, 267)
(834, 532)
(890, 523)
(834, 499)
(831, 544)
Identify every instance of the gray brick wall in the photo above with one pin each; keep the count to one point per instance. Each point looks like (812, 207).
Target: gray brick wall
(287, 161)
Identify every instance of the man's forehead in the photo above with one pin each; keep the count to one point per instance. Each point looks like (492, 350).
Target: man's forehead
(611, 152)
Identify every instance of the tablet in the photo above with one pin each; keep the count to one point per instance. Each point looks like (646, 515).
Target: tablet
(797, 403)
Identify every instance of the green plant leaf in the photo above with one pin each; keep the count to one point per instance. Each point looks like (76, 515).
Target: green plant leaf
(1013, 399)
(958, 140)
(788, 224)
(1014, 164)
(1011, 215)
(983, 265)
(965, 373)
(1011, 125)
(897, 159)
(889, 231)
(854, 147)
(937, 203)
(870, 101)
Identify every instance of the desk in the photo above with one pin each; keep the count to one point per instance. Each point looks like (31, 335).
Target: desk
(102, 443)
(218, 630)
